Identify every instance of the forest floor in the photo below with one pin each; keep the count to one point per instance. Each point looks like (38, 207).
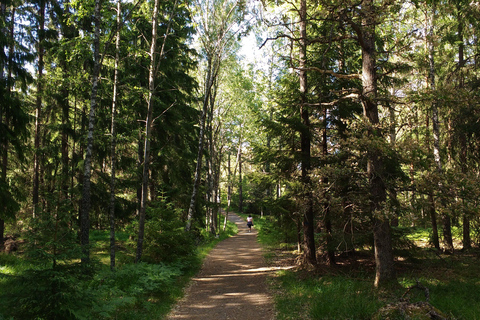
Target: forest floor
(232, 282)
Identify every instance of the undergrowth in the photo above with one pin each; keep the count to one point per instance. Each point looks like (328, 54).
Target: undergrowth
(346, 291)
(33, 290)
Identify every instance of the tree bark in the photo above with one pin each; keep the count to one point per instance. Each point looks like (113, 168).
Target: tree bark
(217, 31)
(326, 207)
(212, 71)
(149, 120)
(240, 178)
(67, 33)
(65, 128)
(148, 128)
(384, 263)
(139, 171)
(229, 191)
(309, 252)
(209, 222)
(447, 228)
(431, 200)
(4, 122)
(113, 143)
(38, 108)
(467, 241)
(86, 200)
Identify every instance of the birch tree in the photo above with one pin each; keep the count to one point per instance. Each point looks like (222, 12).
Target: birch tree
(113, 139)
(148, 128)
(86, 192)
(219, 22)
(155, 60)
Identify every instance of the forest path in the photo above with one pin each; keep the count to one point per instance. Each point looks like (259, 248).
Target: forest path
(231, 283)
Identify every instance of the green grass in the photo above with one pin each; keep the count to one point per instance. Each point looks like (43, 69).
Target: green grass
(301, 296)
(346, 291)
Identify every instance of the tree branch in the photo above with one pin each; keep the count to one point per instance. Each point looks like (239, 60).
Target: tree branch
(332, 73)
(332, 103)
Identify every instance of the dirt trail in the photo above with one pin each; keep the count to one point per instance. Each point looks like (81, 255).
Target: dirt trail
(231, 283)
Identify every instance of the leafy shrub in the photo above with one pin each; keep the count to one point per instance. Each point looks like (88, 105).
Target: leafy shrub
(51, 238)
(142, 278)
(165, 237)
(65, 293)
(47, 294)
(130, 288)
(274, 230)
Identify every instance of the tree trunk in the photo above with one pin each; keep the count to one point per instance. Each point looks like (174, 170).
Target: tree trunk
(209, 169)
(65, 106)
(139, 171)
(3, 122)
(240, 178)
(149, 121)
(467, 241)
(393, 143)
(198, 168)
(326, 206)
(385, 271)
(309, 252)
(65, 128)
(216, 188)
(212, 71)
(113, 143)
(431, 199)
(86, 201)
(38, 108)
(229, 191)
(447, 229)
(433, 219)
(148, 128)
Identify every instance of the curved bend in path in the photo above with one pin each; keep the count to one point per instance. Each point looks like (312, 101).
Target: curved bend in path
(231, 283)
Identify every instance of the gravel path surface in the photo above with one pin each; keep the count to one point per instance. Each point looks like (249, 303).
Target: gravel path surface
(231, 283)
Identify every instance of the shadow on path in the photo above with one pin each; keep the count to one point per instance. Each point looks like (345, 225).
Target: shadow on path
(231, 283)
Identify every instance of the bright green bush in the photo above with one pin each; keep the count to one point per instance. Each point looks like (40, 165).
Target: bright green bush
(66, 293)
(165, 236)
(47, 294)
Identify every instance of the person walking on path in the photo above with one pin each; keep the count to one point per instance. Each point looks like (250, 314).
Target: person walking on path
(249, 222)
(231, 284)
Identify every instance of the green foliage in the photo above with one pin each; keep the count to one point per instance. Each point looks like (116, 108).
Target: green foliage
(402, 243)
(66, 293)
(165, 236)
(274, 231)
(56, 293)
(453, 284)
(8, 202)
(133, 291)
(51, 238)
(328, 297)
(345, 291)
(129, 289)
